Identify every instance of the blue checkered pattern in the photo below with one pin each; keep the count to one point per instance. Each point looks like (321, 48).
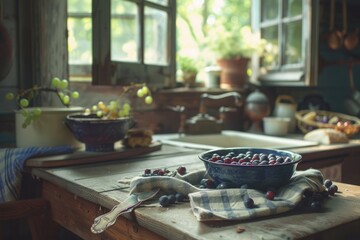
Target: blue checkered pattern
(12, 163)
(227, 204)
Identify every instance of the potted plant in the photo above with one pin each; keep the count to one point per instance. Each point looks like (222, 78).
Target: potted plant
(98, 126)
(43, 126)
(233, 49)
(189, 70)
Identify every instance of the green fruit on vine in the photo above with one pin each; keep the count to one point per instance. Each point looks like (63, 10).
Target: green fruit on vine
(9, 96)
(148, 100)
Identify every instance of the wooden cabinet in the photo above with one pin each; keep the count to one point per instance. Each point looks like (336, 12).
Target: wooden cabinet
(340, 163)
(330, 167)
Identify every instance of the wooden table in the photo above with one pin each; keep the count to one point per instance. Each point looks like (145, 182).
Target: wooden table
(78, 194)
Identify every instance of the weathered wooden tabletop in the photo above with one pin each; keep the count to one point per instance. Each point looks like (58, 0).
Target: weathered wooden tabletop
(97, 183)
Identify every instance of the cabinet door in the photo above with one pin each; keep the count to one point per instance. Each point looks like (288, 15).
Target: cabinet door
(330, 167)
(290, 28)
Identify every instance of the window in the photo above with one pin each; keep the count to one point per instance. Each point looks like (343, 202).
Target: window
(80, 39)
(290, 28)
(132, 41)
(114, 42)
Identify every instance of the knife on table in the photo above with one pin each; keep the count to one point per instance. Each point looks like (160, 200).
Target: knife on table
(106, 220)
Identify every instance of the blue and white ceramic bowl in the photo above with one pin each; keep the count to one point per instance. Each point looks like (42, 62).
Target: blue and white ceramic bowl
(254, 176)
(98, 135)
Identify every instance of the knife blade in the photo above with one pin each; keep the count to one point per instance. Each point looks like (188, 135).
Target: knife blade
(106, 220)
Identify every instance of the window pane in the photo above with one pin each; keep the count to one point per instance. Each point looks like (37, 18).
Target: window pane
(293, 42)
(162, 2)
(124, 31)
(79, 40)
(293, 8)
(155, 36)
(269, 10)
(271, 58)
(75, 6)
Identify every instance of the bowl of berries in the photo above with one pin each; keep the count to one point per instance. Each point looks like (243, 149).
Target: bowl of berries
(258, 168)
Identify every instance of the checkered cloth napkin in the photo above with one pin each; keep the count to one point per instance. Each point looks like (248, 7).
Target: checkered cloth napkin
(227, 204)
(12, 164)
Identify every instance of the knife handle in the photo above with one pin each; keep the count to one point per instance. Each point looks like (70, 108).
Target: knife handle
(104, 221)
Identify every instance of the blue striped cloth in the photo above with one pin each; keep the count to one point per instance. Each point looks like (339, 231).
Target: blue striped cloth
(12, 164)
(227, 204)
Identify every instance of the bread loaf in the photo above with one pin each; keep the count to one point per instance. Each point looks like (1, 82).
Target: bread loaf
(138, 138)
(326, 136)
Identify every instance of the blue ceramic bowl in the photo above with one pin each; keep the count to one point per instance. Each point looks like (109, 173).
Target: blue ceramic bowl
(257, 177)
(98, 135)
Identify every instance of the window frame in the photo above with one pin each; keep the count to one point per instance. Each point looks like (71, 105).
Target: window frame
(301, 74)
(108, 72)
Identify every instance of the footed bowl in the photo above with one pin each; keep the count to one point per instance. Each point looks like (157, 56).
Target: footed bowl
(98, 135)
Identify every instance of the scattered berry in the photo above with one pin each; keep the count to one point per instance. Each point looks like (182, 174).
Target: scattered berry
(327, 183)
(332, 190)
(181, 170)
(172, 198)
(248, 202)
(207, 183)
(179, 197)
(270, 195)
(164, 201)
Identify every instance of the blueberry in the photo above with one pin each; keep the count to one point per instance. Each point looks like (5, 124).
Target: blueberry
(248, 202)
(164, 201)
(179, 197)
(332, 190)
(327, 183)
(172, 198)
(207, 183)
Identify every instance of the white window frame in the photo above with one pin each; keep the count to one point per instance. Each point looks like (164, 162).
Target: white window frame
(303, 73)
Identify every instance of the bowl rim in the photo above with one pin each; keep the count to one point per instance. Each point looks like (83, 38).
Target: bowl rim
(296, 160)
(277, 119)
(88, 118)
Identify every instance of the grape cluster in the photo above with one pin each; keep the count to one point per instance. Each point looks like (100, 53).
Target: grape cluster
(120, 107)
(23, 99)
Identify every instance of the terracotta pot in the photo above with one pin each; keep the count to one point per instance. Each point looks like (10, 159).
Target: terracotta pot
(233, 72)
(189, 79)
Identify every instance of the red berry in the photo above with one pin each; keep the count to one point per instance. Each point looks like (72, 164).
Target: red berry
(227, 160)
(181, 170)
(147, 171)
(270, 195)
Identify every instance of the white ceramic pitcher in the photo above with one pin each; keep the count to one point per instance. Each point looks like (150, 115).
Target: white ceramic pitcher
(285, 106)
